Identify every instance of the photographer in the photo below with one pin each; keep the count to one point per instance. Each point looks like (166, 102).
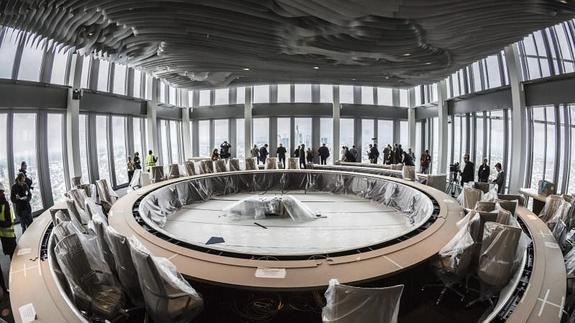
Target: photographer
(468, 173)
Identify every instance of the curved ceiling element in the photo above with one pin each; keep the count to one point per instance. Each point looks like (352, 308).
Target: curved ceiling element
(200, 44)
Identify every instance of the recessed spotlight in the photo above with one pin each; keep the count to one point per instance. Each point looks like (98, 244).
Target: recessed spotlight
(387, 77)
(316, 67)
(246, 68)
(407, 54)
(428, 63)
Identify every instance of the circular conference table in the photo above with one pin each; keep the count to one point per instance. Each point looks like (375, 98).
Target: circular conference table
(286, 274)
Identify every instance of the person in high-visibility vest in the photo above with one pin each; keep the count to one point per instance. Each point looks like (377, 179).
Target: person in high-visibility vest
(7, 234)
(150, 161)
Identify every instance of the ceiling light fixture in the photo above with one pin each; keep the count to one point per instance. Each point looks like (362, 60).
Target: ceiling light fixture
(246, 68)
(316, 67)
(428, 63)
(407, 54)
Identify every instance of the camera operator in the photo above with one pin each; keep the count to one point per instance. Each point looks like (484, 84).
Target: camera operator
(468, 173)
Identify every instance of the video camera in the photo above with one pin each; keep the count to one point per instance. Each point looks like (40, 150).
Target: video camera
(454, 168)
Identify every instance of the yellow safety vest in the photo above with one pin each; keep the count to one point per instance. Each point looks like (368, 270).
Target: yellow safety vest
(9, 231)
(150, 162)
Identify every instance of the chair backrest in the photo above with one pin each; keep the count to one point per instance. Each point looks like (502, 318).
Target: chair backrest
(125, 270)
(168, 297)
(477, 224)
(157, 173)
(206, 166)
(221, 166)
(95, 211)
(484, 187)
(485, 206)
(251, 164)
(64, 229)
(190, 168)
(76, 181)
(174, 171)
(349, 304)
(76, 214)
(552, 204)
(79, 197)
(498, 254)
(408, 173)
(74, 263)
(105, 191)
(510, 197)
(508, 205)
(100, 229)
(293, 163)
(272, 163)
(234, 165)
(470, 197)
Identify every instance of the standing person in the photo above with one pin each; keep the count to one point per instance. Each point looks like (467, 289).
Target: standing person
(394, 159)
(425, 160)
(7, 234)
(225, 150)
(468, 174)
(264, 153)
(281, 152)
(500, 180)
(399, 155)
(255, 153)
(296, 151)
(355, 153)
(342, 153)
(137, 161)
(23, 169)
(130, 165)
(20, 196)
(309, 156)
(386, 154)
(407, 161)
(411, 154)
(370, 153)
(348, 155)
(375, 152)
(215, 155)
(151, 160)
(483, 172)
(301, 155)
(323, 152)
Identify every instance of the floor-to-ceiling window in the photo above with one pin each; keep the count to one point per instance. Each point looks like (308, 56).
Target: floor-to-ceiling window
(284, 93)
(346, 129)
(345, 94)
(4, 175)
(24, 148)
(120, 149)
(103, 73)
(403, 140)
(175, 141)
(8, 50)
(384, 134)
(542, 149)
(571, 188)
(284, 134)
(55, 139)
(302, 93)
(204, 138)
(435, 143)
(261, 94)
(120, 72)
(138, 143)
(240, 139)
(31, 60)
(367, 135)
(326, 136)
(261, 131)
(325, 93)
(303, 132)
(102, 147)
(82, 130)
(221, 132)
(497, 142)
(165, 143)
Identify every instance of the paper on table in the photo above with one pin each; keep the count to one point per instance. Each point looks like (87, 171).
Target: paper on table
(27, 313)
(277, 273)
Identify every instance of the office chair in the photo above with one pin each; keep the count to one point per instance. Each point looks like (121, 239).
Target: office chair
(552, 204)
(94, 210)
(173, 171)
(470, 197)
(349, 304)
(234, 165)
(190, 168)
(157, 174)
(271, 163)
(408, 173)
(221, 166)
(206, 167)
(496, 260)
(168, 297)
(293, 163)
(59, 215)
(99, 227)
(485, 206)
(78, 196)
(107, 195)
(64, 229)
(251, 163)
(484, 187)
(93, 290)
(125, 270)
(76, 214)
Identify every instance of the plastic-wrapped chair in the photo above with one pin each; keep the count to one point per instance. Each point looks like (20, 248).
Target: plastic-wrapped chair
(94, 210)
(484, 187)
(408, 173)
(470, 197)
(136, 181)
(234, 165)
(59, 216)
(76, 181)
(64, 229)
(190, 168)
(251, 164)
(509, 205)
(206, 167)
(157, 174)
(173, 171)
(496, 260)
(349, 304)
(79, 197)
(221, 166)
(552, 203)
(93, 291)
(99, 226)
(77, 214)
(125, 270)
(272, 163)
(483, 206)
(293, 163)
(107, 195)
(168, 297)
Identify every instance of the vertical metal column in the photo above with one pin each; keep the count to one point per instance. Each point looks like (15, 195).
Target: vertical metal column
(336, 113)
(248, 121)
(273, 131)
(442, 126)
(73, 120)
(315, 137)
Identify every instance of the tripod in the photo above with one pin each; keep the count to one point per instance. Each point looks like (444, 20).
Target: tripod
(453, 188)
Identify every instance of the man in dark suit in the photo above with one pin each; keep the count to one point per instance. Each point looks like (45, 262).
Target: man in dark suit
(483, 172)
(468, 174)
(323, 152)
(500, 180)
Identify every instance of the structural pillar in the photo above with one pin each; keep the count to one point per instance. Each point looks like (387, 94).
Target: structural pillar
(188, 153)
(442, 127)
(73, 120)
(273, 130)
(315, 137)
(152, 120)
(336, 113)
(411, 121)
(518, 130)
(248, 121)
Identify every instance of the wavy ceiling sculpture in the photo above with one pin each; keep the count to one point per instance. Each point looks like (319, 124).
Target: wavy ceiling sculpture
(216, 43)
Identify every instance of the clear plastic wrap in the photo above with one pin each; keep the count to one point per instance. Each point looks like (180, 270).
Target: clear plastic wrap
(157, 174)
(272, 163)
(190, 168)
(570, 263)
(261, 207)
(509, 205)
(221, 166)
(173, 171)
(470, 197)
(78, 196)
(168, 296)
(234, 165)
(490, 196)
(552, 203)
(79, 215)
(251, 163)
(105, 191)
(484, 187)
(136, 181)
(484, 206)
(498, 253)
(293, 163)
(408, 173)
(95, 211)
(456, 255)
(349, 304)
